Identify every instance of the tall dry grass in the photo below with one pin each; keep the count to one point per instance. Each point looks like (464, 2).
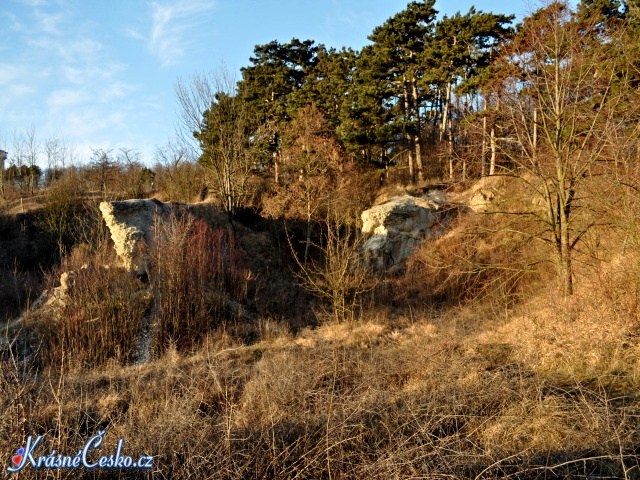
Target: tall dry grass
(501, 380)
(366, 400)
(99, 319)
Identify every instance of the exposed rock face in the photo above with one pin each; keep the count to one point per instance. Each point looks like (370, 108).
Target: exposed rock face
(399, 225)
(483, 196)
(481, 201)
(131, 225)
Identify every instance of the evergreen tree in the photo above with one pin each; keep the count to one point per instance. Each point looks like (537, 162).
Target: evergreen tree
(456, 62)
(395, 60)
(329, 82)
(366, 115)
(270, 88)
(276, 73)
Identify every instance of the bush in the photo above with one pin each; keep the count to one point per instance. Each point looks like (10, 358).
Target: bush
(100, 319)
(198, 276)
(339, 275)
(485, 256)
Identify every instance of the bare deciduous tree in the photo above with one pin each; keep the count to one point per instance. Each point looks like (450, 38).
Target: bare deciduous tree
(560, 104)
(177, 175)
(219, 122)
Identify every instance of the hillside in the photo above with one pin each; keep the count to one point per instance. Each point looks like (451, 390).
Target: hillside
(444, 371)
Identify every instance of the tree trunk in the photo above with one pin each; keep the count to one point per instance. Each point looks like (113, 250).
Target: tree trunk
(417, 137)
(450, 150)
(566, 269)
(492, 144)
(308, 240)
(483, 155)
(534, 154)
(445, 112)
(408, 136)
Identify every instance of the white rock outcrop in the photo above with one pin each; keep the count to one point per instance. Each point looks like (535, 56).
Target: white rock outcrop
(131, 225)
(400, 224)
(485, 195)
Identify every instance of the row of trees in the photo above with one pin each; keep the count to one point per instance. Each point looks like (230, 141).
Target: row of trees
(394, 102)
(106, 171)
(552, 101)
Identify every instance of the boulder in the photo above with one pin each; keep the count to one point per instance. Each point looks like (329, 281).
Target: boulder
(400, 224)
(481, 201)
(131, 225)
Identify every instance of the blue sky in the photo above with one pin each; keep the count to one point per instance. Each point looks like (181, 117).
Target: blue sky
(102, 73)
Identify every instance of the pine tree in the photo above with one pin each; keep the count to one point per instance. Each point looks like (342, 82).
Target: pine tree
(456, 61)
(397, 47)
(270, 88)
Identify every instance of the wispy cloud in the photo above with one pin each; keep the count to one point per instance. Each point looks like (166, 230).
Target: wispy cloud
(12, 23)
(49, 23)
(90, 73)
(171, 24)
(66, 98)
(134, 33)
(10, 73)
(70, 50)
(86, 124)
(114, 90)
(33, 3)
(12, 81)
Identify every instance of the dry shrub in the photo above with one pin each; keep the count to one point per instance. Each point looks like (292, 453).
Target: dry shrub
(488, 256)
(179, 180)
(99, 319)
(71, 216)
(198, 277)
(338, 276)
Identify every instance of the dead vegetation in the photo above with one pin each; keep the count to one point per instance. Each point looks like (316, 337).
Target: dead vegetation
(467, 364)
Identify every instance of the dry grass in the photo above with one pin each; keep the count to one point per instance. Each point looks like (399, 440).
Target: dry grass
(458, 370)
(456, 395)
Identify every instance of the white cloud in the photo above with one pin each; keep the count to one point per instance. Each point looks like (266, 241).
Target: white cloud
(10, 73)
(133, 33)
(33, 3)
(83, 48)
(87, 123)
(90, 73)
(49, 23)
(69, 50)
(66, 98)
(171, 25)
(14, 24)
(114, 91)
(15, 91)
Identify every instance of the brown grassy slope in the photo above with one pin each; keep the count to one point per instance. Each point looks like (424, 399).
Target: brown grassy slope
(463, 395)
(468, 365)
